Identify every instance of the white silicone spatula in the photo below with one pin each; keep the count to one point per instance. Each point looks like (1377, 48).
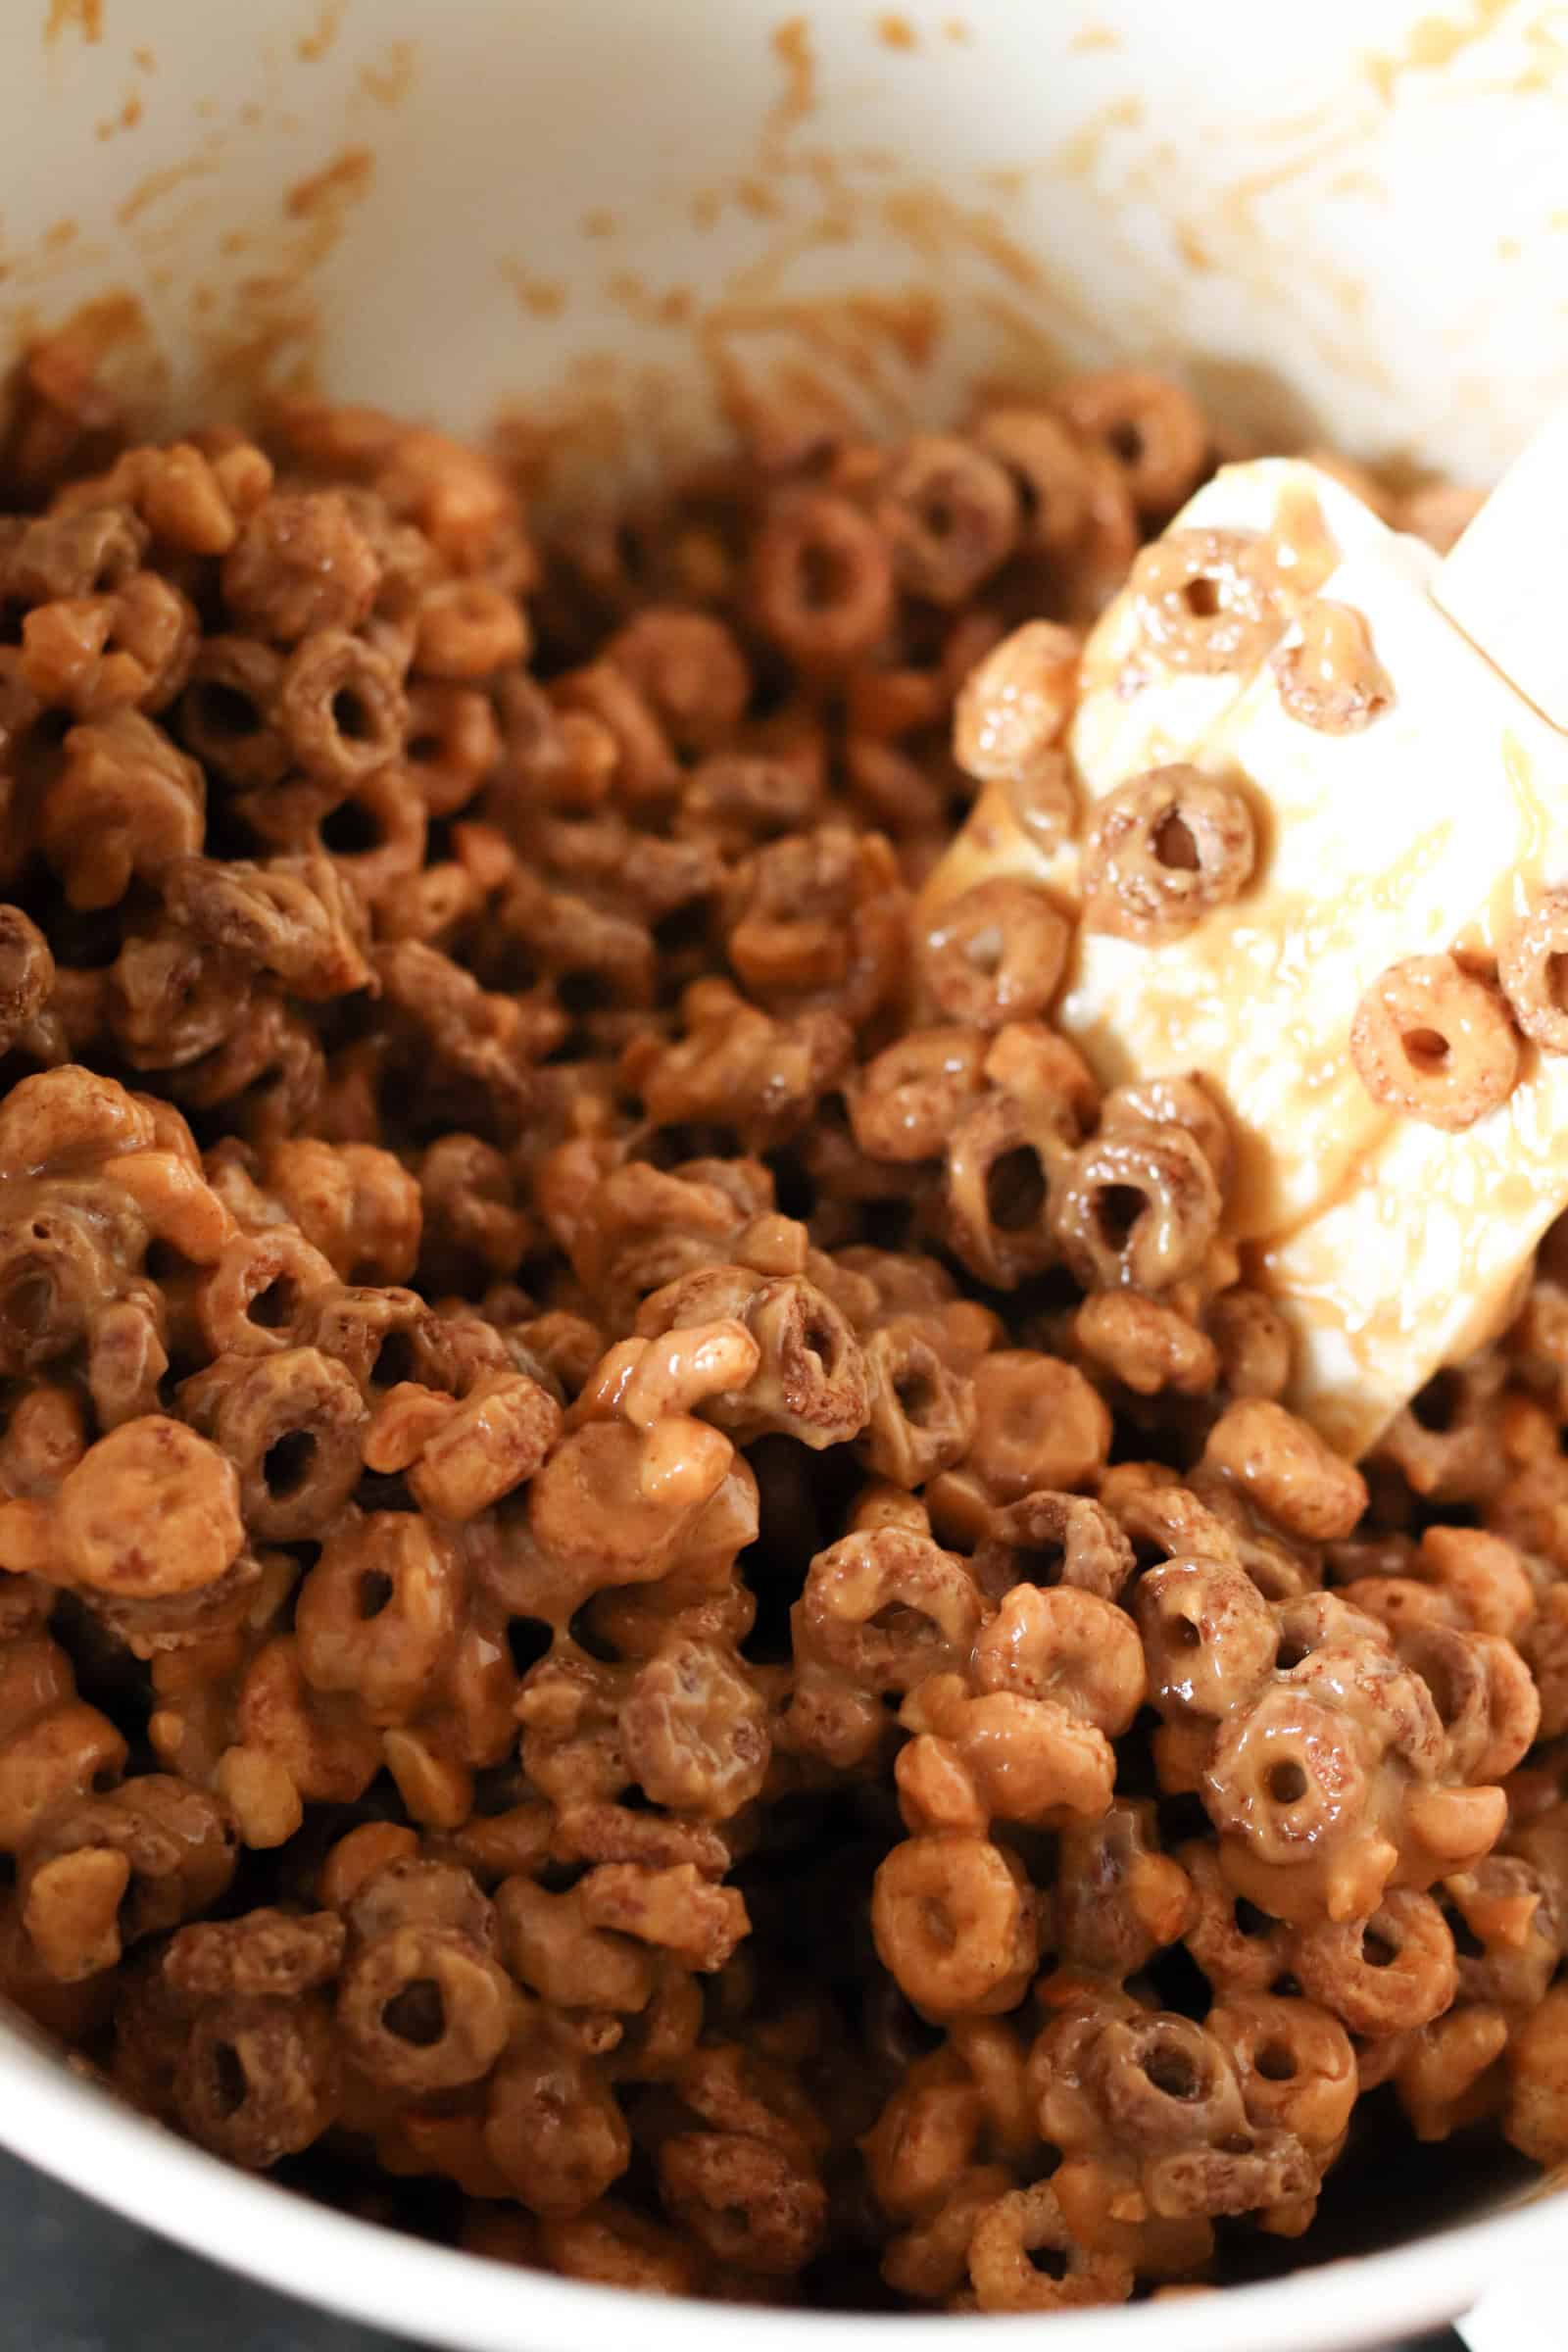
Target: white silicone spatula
(1430, 819)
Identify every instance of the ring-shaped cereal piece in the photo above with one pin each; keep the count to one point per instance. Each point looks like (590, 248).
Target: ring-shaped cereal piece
(1285, 1774)
(1005, 2275)
(931, 1596)
(1389, 1973)
(1137, 1207)
(995, 953)
(1163, 2082)
(1433, 1041)
(954, 1923)
(1207, 600)
(1533, 971)
(423, 2010)
(821, 580)
(1295, 2062)
(1166, 849)
(1208, 1636)
(1064, 1645)
(1151, 427)
(949, 514)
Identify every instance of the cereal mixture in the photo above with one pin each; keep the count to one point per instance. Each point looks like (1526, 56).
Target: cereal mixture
(659, 1614)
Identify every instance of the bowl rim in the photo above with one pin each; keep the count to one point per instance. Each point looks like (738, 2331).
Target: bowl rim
(71, 2126)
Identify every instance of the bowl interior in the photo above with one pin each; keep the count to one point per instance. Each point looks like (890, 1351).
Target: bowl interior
(606, 225)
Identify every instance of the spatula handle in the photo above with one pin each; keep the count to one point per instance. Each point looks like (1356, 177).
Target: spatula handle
(1505, 581)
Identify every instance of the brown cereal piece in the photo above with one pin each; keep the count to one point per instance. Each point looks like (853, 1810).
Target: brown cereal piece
(1147, 1347)
(693, 1731)
(1529, 971)
(1252, 1342)
(301, 563)
(1038, 1425)
(124, 803)
(151, 1510)
(1047, 1538)
(1286, 1470)
(553, 2128)
(954, 1924)
(1328, 676)
(689, 669)
(1117, 1899)
(1295, 2064)
(1164, 851)
(1050, 469)
(53, 1746)
(258, 2078)
(1435, 1042)
(1150, 427)
(1138, 1206)
(423, 2009)
(1536, 2121)
(905, 1103)
(1207, 600)
(948, 514)
(675, 1908)
(104, 1872)
(735, 1067)
(353, 1202)
(266, 1954)
(1010, 2234)
(1014, 706)
(92, 655)
(821, 580)
(1384, 1975)
(494, 1440)
(1208, 1637)
(807, 1377)
(816, 920)
(746, 2202)
(995, 953)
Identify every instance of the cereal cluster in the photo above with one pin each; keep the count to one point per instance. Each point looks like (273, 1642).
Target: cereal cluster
(655, 1605)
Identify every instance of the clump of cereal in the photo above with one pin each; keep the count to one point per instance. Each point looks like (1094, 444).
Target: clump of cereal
(669, 1519)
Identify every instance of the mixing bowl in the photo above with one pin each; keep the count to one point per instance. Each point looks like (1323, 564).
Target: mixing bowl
(607, 224)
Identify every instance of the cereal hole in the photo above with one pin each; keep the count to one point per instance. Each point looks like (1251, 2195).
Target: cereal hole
(1275, 2062)
(27, 1303)
(986, 949)
(394, 1361)
(230, 2085)
(1202, 596)
(1554, 978)
(1173, 844)
(1016, 1189)
(528, 1638)
(916, 1395)
(1172, 2073)
(1117, 1210)
(373, 1593)
(1467, 1943)
(277, 1304)
(287, 1464)
(824, 577)
(1125, 441)
(350, 830)
(418, 2014)
(223, 713)
(1249, 1920)
(350, 717)
(937, 1922)
(1426, 1051)
(1375, 1950)
(1047, 2261)
(1286, 1784)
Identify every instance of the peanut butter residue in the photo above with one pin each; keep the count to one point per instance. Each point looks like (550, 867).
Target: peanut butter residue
(897, 33)
(329, 191)
(85, 17)
(791, 44)
(1434, 42)
(312, 46)
(390, 81)
(539, 297)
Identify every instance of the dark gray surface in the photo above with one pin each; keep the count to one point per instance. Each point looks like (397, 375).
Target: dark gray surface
(75, 2278)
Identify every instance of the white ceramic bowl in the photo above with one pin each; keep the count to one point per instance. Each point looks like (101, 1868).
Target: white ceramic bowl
(1343, 223)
